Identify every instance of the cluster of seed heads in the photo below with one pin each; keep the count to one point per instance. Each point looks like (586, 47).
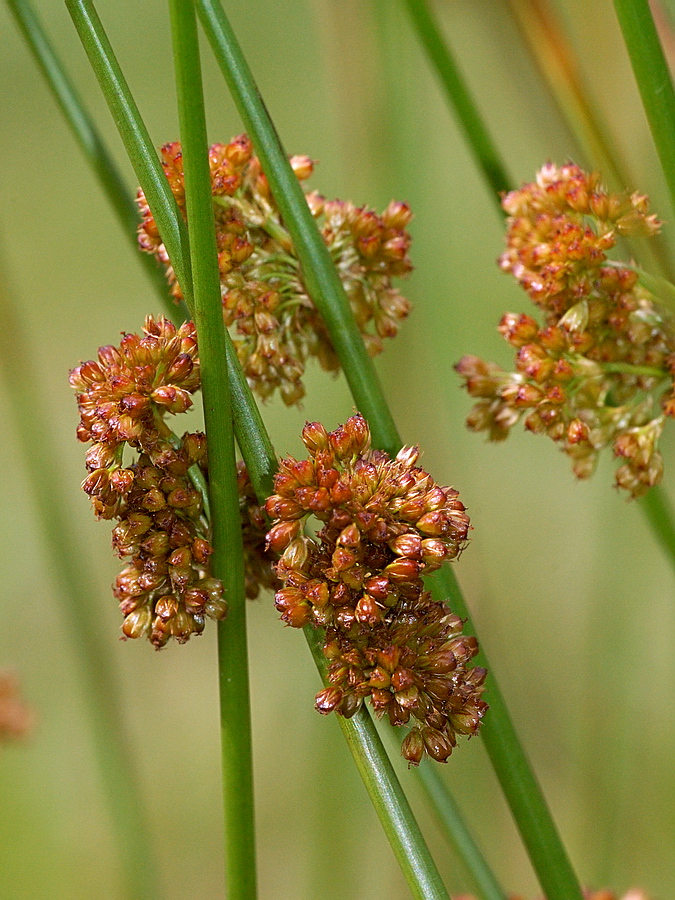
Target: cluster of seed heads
(166, 590)
(598, 371)
(385, 524)
(274, 323)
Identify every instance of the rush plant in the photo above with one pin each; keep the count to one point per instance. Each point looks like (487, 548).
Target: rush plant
(263, 283)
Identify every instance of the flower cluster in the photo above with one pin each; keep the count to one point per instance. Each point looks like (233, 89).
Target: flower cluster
(599, 370)
(386, 523)
(16, 717)
(275, 325)
(166, 590)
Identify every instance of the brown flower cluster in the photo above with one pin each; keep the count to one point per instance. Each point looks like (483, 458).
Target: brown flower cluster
(275, 325)
(599, 370)
(16, 717)
(166, 589)
(386, 523)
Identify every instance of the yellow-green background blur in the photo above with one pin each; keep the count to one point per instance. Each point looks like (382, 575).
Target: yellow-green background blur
(574, 602)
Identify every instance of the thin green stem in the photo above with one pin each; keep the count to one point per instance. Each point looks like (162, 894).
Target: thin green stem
(653, 80)
(630, 369)
(102, 693)
(459, 97)
(661, 517)
(228, 559)
(386, 793)
(507, 755)
(450, 817)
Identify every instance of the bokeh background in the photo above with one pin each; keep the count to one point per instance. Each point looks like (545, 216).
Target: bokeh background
(574, 602)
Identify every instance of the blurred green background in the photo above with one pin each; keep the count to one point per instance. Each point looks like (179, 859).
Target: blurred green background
(573, 600)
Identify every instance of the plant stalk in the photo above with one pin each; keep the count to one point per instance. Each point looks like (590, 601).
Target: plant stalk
(661, 517)
(228, 559)
(87, 137)
(320, 276)
(155, 186)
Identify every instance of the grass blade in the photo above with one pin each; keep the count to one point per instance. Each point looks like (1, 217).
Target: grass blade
(661, 517)
(90, 142)
(135, 137)
(450, 817)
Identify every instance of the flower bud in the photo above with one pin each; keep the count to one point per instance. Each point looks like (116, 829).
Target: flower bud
(367, 611)
(413, 747)
(302, 167)
(280, 536)
(137, 623)
(328, 699)
(437, 744)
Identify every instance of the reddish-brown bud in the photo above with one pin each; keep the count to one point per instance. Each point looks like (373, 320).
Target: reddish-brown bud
(367, 611)
(280, 536)
(328, 700)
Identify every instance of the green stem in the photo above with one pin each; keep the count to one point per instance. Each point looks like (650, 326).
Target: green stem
(103, 695)
(386, 793)
(88, 138)
(653, 80)
(459, 97)
(661, 517)
(228, 560)
(629, 369)
(450, 817)
(518, 781)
